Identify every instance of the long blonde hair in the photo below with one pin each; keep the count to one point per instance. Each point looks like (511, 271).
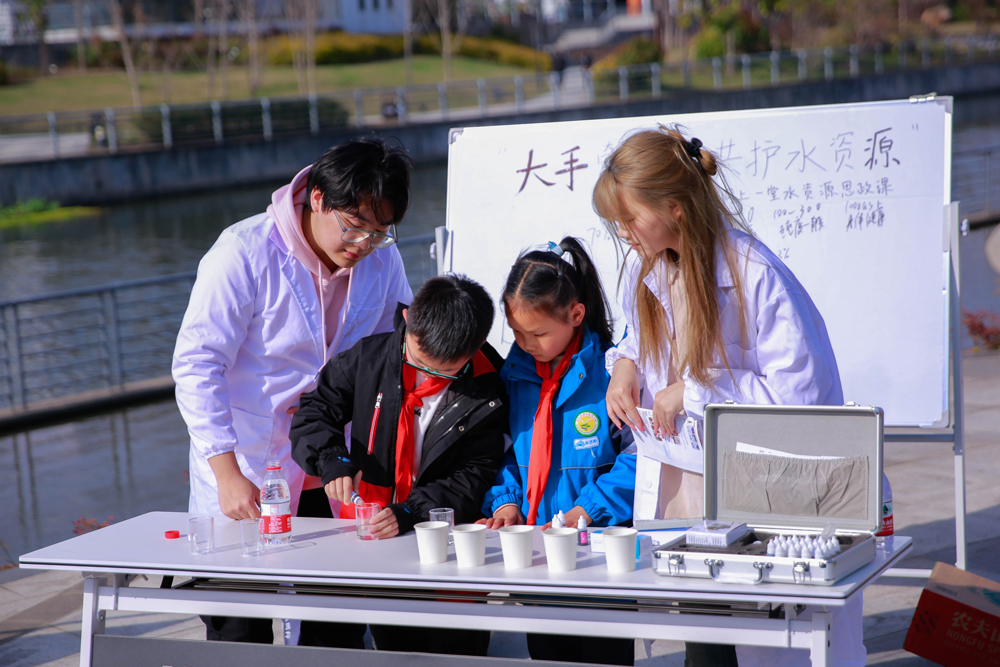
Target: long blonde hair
(657, 169)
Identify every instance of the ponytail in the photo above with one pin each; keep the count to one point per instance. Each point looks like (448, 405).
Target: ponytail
(544, 281)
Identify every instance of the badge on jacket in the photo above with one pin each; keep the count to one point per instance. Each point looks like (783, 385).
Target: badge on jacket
(587, 423)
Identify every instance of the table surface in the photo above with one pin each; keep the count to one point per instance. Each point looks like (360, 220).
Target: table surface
(328, 551)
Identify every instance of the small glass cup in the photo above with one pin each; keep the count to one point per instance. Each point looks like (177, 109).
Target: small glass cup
(250, 541)
(201, 534)
(363, 516)
(447, 515)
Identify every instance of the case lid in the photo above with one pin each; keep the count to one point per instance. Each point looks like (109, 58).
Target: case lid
(794, 466)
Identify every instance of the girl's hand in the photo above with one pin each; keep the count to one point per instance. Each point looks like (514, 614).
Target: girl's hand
(508, 515)
(384, 525)
(623, 395)
(573, 517)
(667, 404)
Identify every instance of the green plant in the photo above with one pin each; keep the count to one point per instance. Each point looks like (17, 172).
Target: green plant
(709, 43)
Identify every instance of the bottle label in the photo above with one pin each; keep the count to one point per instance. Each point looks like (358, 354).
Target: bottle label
(276, 518)
(886, 519)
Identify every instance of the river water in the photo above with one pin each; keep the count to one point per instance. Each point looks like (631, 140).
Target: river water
(116, 465)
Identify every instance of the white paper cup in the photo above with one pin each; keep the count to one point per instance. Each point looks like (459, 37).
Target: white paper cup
(432, 541)
(470, 544)
(619, 549)
(560, 548)
(517, 543)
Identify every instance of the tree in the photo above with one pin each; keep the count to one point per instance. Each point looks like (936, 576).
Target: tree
(118, 20)
(33, 13)
(247, 10)
(449, 15)
(81, 44)
(304, 15)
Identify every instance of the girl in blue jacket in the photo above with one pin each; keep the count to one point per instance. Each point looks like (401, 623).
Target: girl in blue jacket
(567, 455)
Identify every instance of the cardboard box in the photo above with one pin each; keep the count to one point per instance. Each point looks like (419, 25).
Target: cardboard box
(957, 622)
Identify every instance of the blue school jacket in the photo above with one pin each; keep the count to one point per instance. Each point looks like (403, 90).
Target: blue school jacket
(588, 466)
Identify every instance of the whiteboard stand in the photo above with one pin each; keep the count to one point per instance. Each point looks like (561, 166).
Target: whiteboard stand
(954, 434)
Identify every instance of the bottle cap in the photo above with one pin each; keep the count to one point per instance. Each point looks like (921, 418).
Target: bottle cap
(273, 465)
(172, 534)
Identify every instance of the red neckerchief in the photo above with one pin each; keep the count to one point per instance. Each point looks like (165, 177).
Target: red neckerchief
(541, 435)
(412, 399)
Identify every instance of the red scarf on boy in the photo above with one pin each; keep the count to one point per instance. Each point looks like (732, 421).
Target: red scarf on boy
(541, 435)
(412, 399)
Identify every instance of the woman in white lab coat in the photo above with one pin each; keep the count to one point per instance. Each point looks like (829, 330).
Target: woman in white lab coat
(712, 315)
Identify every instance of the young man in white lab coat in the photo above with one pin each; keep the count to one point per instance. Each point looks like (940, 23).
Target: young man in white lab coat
(276, 296)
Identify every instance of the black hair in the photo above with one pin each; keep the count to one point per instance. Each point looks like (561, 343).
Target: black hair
(543, 281)
(366, 168)
(450, 317)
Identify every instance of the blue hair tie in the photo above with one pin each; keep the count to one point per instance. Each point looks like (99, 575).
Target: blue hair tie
(564, 255)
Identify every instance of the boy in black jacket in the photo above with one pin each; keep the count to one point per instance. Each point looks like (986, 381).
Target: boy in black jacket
(428, 413)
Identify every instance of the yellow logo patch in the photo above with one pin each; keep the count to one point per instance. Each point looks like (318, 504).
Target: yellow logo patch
(587, 423)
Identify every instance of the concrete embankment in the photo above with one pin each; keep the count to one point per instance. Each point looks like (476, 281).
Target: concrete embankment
(109, 178)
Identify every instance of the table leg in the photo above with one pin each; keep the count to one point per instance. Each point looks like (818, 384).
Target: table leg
(93, 620)
(820, 638)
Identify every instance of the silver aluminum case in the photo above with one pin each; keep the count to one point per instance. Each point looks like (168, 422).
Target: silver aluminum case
(848, 430)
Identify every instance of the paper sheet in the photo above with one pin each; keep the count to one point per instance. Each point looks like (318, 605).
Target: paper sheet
(685, 450)
(754, 449)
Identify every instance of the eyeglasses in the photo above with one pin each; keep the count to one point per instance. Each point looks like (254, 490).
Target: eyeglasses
(355, 235)
(428, 371)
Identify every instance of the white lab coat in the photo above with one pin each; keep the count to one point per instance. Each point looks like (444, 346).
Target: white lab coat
(251, 344)
(787, 359)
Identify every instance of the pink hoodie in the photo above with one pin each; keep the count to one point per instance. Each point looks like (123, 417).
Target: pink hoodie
(334, 288)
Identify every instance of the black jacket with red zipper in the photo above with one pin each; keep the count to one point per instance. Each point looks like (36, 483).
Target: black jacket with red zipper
(462, 449)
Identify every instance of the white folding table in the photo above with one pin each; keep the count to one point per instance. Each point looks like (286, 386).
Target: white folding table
(340, 578)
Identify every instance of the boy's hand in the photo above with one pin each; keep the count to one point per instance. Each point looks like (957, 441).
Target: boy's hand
(342, 487)
(384, 525)
(508, 515)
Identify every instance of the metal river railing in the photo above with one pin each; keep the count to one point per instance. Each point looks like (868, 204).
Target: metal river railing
(102, 131)
(71, 342)
(66, 343)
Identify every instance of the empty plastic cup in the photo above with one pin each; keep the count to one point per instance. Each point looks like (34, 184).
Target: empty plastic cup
(470, 544)
(619, 549)
(517, 543)
(201, 534)
(250, 541)
(560, 548)
(432, 541)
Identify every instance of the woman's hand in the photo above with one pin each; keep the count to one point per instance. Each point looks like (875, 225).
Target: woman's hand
(342, 487)
(384, 525)
(508, 515)
(667, 404)
(623, 395)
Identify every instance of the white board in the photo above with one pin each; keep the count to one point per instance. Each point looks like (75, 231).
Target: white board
(851, 197)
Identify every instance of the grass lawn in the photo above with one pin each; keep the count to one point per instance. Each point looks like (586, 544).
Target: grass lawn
(70, 90)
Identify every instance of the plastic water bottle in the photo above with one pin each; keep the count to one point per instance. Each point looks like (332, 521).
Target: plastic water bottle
(275, 507)
(884, 536)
